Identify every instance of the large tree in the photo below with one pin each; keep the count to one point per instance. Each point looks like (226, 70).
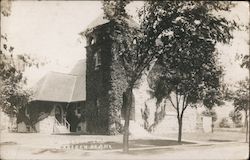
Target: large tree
(134, 51)
(184, 32)
(189, 32)
(13, 96)
(241, 101)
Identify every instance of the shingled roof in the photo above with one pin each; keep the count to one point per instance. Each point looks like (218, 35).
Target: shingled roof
(62, 87)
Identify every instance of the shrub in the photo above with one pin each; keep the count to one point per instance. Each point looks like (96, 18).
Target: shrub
(224, 123)
(236, 117)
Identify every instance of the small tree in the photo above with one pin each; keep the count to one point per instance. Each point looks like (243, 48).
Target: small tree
(145, 115)
(224, 123)
(236, 117)
(241, 101)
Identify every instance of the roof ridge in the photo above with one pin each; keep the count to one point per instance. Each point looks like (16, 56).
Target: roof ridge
(73, 90)
(43, 84)
(65, 73)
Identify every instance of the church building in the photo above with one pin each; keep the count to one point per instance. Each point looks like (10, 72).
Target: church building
(89, 99)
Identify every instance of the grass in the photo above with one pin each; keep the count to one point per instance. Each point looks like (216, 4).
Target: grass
(8, 143)
(139, 143)
(216, 136)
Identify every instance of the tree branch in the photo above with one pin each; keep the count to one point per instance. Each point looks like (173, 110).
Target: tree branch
(172, 103)
(186, 104)
(177, 106)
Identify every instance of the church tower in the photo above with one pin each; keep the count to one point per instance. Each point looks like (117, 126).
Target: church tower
(105, 80)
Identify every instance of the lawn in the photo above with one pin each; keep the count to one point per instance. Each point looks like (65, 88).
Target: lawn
(212, 137)
(83, 142)
(110, 145)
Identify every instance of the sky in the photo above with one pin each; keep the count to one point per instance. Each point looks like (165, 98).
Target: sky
(50, 30)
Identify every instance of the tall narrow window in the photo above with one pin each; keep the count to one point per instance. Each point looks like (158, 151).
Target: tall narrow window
(98, 104)
(91, 41)
(134, 41)
(27, 112)
(97, 60)
(78, 109)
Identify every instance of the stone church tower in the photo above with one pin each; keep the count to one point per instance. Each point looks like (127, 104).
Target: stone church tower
(105, 80)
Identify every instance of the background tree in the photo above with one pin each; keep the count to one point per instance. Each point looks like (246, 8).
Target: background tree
(189, 32)
(236, 117)
(241, 101)
(145, 115)
(224, 123)
(211, 113)
(246, 61)
(5, 7)
(13, 96)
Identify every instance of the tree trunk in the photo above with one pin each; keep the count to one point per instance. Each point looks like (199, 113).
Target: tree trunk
(128, 103)
(212, 126)
(246, 122)
(180, 129)
(33, 126)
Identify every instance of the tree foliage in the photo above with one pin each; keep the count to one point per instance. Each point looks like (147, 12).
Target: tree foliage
(236, 117)
(241, 101)
(13, 95)
(5, 7)
(132, 51)
(246, 62)
(188, 33)
(182, 36)
(241, 96)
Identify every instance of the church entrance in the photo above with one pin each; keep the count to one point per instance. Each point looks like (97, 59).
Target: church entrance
(58, 113)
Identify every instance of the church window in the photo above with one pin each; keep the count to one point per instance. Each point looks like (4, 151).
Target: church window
(26, 112)
(97, 102)
(78, 110)
(97, 60)
(91, 41)
(134, 41)
(79, 128)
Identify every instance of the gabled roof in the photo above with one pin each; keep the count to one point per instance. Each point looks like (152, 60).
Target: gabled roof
(100, 20)
(62, 87)
(79, 68)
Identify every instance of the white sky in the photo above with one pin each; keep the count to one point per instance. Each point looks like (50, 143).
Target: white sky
(49, 29)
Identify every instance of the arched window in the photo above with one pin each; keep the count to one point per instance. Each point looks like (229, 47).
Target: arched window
(134, 41)
(58, 112)
(98, 106)
(27, 111)
(97, 60)
(91, 40)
